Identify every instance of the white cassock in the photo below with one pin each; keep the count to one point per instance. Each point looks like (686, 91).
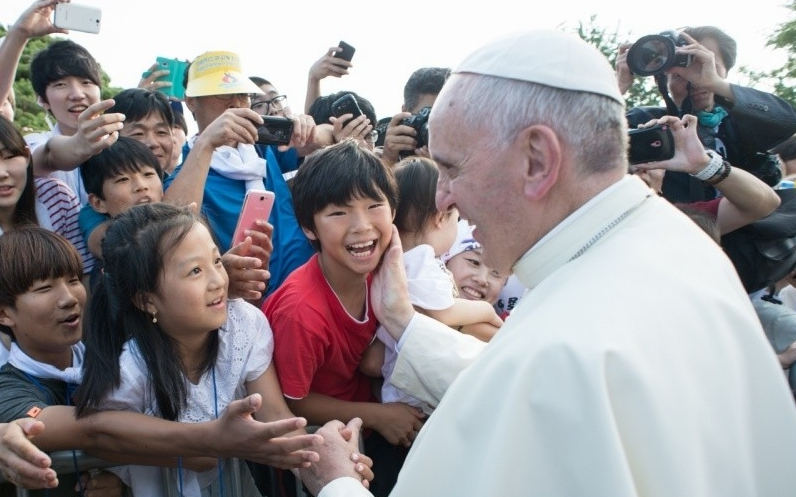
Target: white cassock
(635, 366)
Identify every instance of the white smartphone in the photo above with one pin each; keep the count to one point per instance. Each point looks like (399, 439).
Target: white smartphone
(78, 17)
(256, 205)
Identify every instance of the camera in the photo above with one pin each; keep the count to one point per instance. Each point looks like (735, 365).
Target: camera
(654, 54)
(419, 122)
(274, 130)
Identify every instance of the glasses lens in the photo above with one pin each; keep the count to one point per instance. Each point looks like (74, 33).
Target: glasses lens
(372, 136)
(278, 102)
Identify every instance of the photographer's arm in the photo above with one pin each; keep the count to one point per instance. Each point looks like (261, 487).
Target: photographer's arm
(744, 197)
(230, 128)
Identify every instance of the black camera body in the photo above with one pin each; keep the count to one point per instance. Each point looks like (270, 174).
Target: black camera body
(275, 130)
(654, 54)
(419, 122)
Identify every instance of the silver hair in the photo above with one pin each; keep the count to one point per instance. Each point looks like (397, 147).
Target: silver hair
(592, 127)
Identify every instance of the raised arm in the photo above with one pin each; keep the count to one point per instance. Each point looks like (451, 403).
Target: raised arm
(324, 67)
(96, 132)
(32, 23)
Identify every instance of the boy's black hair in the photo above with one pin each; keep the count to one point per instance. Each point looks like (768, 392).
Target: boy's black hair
(125, 156)
(60, 60)
(321, 108)
(30, 253)
(136, 104)
(337, 174)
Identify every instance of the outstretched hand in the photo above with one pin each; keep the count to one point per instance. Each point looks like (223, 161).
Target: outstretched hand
(21, 462)
(237, 434)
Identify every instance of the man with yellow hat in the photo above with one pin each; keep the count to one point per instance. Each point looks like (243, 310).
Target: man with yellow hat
(218, 94)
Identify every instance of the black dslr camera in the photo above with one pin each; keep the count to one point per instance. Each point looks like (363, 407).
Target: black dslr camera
(654, 54)
(419, 122)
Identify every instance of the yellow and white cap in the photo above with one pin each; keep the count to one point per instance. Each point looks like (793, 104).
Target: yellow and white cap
(218, 73)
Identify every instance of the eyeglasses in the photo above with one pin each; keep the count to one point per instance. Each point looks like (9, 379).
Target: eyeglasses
(277, 103)
(243, 97)
(372, 136)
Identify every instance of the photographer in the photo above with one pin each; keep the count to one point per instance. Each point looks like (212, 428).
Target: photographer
(404, 134)
(740, 123)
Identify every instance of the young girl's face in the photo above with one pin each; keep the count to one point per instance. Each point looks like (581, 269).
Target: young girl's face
(354, 236)
(13, 178)
(47, 319)
(67, 98)
(192, 296)
(474, 280)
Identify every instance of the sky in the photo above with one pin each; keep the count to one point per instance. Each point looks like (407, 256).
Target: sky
(281, 40)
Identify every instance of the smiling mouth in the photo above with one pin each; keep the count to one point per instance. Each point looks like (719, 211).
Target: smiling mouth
(363, 249)
(472, 293)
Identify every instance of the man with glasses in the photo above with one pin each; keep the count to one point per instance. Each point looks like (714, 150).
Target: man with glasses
(218, 94)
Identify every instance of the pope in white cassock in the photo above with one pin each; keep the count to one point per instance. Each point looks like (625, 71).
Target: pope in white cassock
(634, 366)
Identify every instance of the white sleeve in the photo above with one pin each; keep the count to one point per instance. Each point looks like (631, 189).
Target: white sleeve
(430, 356)
(344, 486)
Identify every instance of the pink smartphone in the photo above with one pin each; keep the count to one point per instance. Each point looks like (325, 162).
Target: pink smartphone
(256, 205)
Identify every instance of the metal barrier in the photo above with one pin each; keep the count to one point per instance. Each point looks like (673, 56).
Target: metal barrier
(68, 462)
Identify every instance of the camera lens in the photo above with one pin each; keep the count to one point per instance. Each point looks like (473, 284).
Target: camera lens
(651, 55)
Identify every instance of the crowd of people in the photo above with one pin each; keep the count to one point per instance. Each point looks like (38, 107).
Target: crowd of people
(477, 294)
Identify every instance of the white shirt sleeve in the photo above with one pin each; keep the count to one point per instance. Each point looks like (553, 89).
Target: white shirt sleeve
(344, 487)
(430, 357)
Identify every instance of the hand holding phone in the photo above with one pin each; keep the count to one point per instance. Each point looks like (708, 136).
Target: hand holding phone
(347, 52)
(655, 143)
(77, 17)
(256, 205)
(275, 130)
(347, 104)
(175, 76)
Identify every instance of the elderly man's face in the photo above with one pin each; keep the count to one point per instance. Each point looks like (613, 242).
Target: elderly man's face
(475, 181)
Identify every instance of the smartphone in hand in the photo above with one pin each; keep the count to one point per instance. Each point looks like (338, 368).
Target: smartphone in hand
(77, 17)
(347, 104)
(275, 130)
(175, 76)
(256, 205)
(651, 144)
(347, 52)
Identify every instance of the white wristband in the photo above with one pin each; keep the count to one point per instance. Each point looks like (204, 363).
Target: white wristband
(712, 168)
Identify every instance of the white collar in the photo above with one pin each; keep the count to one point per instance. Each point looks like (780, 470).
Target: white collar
(581, 229)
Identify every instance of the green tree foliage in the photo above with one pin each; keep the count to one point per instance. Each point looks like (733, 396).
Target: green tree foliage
(782, 79)
(643, 91)
(29, 115)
